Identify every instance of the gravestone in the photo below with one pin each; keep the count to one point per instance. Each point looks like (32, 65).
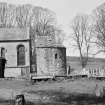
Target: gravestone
(20, 100)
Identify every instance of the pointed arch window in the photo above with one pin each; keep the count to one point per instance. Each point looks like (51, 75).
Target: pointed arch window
(20, 55)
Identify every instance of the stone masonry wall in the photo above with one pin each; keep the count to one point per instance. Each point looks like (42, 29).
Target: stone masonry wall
(51, 60)
(11, 57)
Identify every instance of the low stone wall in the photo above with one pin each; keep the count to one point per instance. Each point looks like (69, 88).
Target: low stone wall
(12, 72)
(16, 72)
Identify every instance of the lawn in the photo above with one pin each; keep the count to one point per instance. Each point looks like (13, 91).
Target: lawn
(57, 92)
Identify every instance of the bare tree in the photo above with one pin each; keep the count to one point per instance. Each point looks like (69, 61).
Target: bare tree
(100, 28)
(3, 14)
(43, 21)
(23, 15)
(82, 36)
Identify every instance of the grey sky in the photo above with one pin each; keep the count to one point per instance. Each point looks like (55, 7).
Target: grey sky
(64, 9)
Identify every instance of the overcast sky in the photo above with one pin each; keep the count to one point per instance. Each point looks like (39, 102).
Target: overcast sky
(64, 9)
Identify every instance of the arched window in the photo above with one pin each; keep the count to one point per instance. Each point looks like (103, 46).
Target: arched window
(21, 55)
(3, 52)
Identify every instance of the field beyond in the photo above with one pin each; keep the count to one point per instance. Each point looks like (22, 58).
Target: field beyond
(49, 91)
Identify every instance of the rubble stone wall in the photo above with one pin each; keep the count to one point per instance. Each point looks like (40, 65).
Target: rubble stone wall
(51, 60)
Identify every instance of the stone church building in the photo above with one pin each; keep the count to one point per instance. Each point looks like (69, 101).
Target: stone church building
(15, 46)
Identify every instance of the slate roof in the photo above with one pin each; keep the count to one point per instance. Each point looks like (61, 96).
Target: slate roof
(14, 34)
